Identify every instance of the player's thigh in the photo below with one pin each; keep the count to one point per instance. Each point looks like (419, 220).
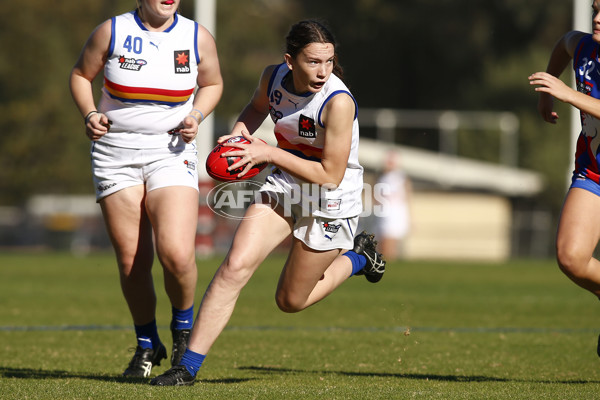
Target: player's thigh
(127, 222)
(261, 230)
(579, 225)
(317, 242)
(304, 268)
(173, 211)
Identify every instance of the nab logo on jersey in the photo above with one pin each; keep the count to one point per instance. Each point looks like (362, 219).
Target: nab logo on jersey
(182, 61)
(306, 127)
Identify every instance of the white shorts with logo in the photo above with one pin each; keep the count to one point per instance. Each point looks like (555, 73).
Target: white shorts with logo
(318, 233)
(116, 168)
(322, 234)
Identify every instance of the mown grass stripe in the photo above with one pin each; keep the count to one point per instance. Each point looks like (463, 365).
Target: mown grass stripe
(400, 329)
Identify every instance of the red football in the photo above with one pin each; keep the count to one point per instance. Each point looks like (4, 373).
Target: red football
(216, 166)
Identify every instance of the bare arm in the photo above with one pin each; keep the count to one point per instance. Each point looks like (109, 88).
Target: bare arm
(255, 112)
(91, 61)
(251, 117)
(210, 85)
(563, 52)
(550, 86)
(338, 118)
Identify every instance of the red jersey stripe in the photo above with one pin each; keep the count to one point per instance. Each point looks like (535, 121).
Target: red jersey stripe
(145, 93)
(305, 149)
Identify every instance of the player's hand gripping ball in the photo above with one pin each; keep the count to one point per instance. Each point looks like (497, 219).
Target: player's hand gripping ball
(216, 166)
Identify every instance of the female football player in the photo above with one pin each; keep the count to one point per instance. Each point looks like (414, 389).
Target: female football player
(144, 156)
(313, 192)
(579, 225)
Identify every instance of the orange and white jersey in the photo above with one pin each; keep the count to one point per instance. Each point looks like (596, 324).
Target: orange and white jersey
(300, 131)
(149, 80)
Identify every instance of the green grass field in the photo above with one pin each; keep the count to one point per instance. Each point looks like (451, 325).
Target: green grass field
(518, 330)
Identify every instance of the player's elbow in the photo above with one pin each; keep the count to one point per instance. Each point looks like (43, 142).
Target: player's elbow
(331, 173)
(327, 185)
(331, 181)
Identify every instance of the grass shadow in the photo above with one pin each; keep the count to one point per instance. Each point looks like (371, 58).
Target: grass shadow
(30, 373)
(430, 377)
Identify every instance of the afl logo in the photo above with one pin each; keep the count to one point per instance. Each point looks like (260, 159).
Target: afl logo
(231, 199)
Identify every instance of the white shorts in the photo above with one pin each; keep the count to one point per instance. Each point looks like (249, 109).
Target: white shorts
(116, 168)
(318, 233)
(322, 234)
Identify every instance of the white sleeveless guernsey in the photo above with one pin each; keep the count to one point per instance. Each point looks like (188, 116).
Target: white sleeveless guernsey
(300, 131)
(149, 81)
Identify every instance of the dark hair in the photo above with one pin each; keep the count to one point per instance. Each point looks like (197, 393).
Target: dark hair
(306, 32)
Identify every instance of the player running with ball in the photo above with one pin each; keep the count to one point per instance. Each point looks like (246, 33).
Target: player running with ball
(316, 128)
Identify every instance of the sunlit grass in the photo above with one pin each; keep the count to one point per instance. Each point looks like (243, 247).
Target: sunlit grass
(427, 330)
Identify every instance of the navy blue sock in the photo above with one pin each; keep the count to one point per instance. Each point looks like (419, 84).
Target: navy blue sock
(192, 361)
(182, 319)
(147, 335)
(358, 261)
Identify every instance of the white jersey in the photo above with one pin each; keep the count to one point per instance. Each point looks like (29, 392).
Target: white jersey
(300, 131)
(149, 81)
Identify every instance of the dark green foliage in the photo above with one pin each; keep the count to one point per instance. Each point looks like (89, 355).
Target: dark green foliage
(411, 54)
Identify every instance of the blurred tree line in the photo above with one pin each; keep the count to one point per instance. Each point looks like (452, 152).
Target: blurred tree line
(413, 54)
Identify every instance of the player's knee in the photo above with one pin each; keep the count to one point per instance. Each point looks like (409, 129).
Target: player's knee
(132, 265)
(177, 259)
(571, 261)
(125, 265)
(236, 270)
(289, 304)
